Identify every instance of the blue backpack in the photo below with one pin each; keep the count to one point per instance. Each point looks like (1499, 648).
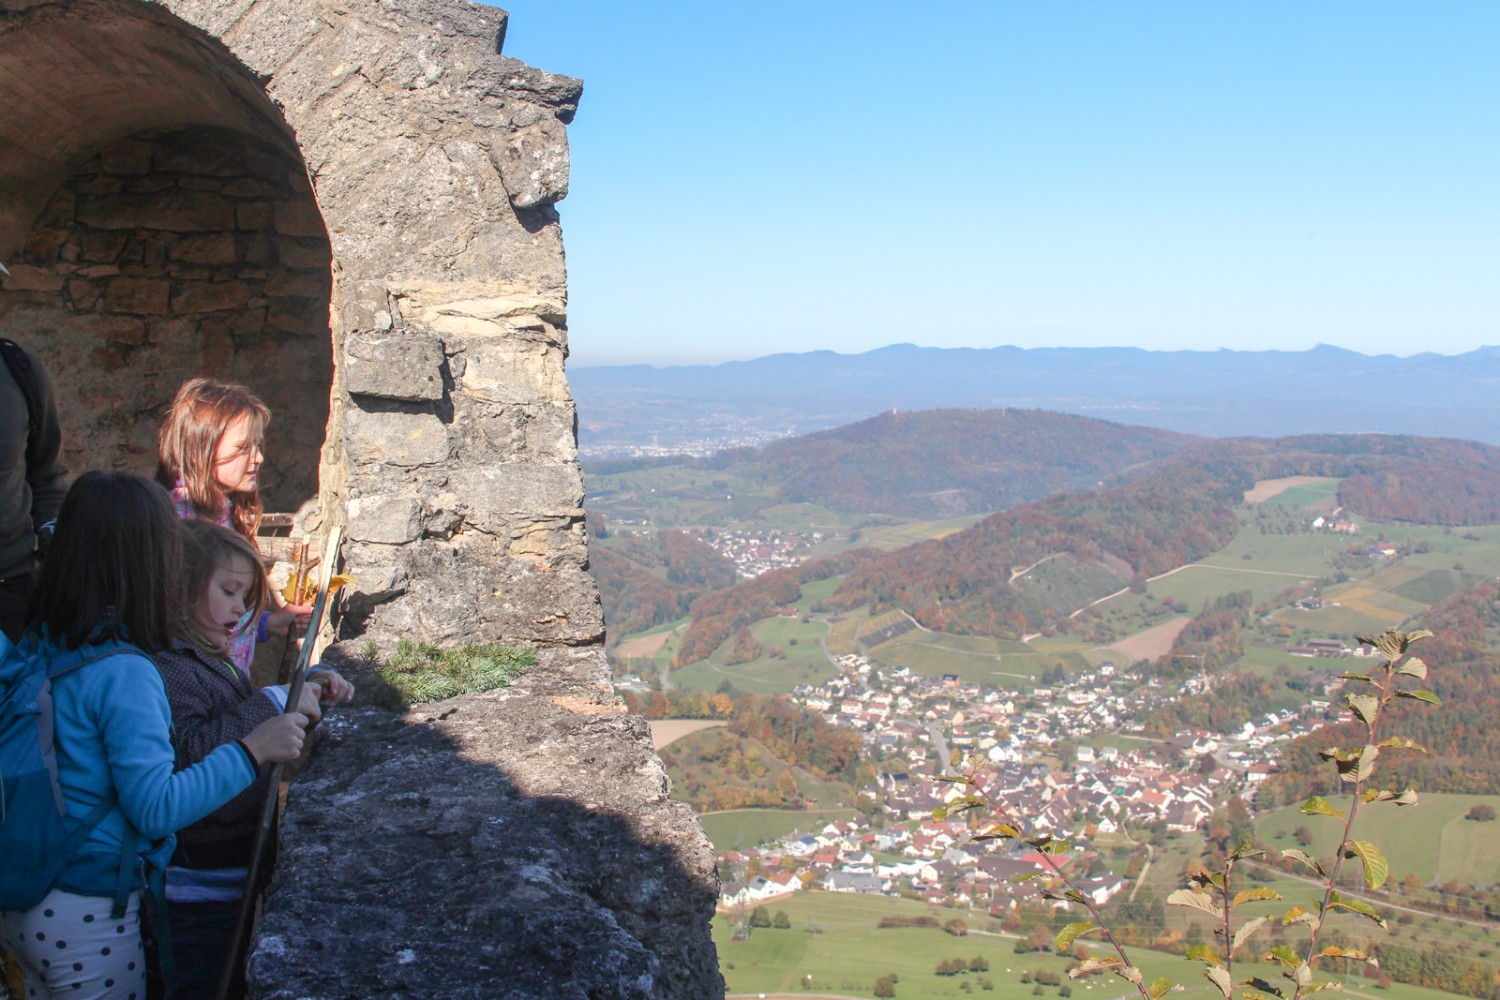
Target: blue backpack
(37, 837)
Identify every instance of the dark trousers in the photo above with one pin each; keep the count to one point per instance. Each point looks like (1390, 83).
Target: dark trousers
(14, 592)
(200, 946)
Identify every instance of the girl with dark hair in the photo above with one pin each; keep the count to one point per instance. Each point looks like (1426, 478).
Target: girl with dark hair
(209, 451)
(213, 703)
(104, 599)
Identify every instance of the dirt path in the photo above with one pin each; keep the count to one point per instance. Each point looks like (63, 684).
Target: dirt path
(1154, 642)
(665, 732)
(1268, 488)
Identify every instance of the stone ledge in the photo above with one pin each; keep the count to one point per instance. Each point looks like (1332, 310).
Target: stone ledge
(516, 844)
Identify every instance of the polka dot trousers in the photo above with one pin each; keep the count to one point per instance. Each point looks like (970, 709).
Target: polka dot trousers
(70, 947)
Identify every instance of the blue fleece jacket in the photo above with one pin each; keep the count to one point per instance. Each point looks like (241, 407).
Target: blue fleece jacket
(113, 733)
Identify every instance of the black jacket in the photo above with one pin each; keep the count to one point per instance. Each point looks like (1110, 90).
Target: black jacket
(213, 704)
(30, 495)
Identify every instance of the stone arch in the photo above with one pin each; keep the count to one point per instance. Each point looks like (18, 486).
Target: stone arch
(160, 224)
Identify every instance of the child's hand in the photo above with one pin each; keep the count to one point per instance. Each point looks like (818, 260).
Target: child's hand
(277, 739)
(310, 703)
(336, 690)
(283, 619)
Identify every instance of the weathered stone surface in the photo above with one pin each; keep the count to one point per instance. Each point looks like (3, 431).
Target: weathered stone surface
(385, 519)
(490, 495)
(516, 844)
(138, 295)
(394, 366)
(534, 164)
(172, 211)
(401, 439)
(511, 372)
(201, 297)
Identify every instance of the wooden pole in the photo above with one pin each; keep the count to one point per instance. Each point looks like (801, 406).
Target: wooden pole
(240, 937)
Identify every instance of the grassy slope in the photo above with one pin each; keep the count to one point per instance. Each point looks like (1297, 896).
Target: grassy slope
(850, 953)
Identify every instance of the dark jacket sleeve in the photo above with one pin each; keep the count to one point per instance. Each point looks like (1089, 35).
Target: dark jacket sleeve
(46, 475)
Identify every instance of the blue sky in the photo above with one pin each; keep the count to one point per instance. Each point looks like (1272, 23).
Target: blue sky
(753, 179)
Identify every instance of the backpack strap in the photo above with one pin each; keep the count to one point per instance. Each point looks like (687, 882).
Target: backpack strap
(24, 374)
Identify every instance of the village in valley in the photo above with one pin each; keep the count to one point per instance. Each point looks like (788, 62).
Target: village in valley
(1038, 751)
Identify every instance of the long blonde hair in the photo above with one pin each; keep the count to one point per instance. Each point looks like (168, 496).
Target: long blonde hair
(206, 547)
(188, 445)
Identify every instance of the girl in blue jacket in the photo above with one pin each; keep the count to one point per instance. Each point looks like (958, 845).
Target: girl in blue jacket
(109, 584)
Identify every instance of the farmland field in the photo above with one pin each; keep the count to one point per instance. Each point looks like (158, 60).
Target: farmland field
(1431, 839)
(848, 952)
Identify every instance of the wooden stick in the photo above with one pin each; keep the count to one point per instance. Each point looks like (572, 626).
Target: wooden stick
(242, 921)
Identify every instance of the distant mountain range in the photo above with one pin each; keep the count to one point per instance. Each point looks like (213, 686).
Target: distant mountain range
(634, 409)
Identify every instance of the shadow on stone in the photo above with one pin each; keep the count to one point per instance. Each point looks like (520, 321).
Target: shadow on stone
(514, 844)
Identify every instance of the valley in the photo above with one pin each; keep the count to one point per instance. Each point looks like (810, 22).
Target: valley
(1130, 712)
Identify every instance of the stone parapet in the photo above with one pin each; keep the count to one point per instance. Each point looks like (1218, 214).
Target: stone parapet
(517, 844)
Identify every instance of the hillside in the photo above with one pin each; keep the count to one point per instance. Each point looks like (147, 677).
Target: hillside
(920, 465)
(1168, 514)
(946, 463)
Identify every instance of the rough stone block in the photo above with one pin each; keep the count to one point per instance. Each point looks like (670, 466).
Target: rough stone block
(509, 372)
(491, 497)
(402, 439)
(201, 297)
(529, 605)
(367, 306)
(534, 164)
(43, 244)
(25, 278)
(394, 366)
(101, 247)
(147, 296)
(208, 248)
(387, 520)
(254, 216)
(171, 211)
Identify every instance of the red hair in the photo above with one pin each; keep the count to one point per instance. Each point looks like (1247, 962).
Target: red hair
(188, 446)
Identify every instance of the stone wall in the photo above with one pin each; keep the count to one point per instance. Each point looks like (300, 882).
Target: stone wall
(448, 453)
(168, 255)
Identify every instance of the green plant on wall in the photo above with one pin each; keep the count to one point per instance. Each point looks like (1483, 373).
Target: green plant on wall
(421, 672)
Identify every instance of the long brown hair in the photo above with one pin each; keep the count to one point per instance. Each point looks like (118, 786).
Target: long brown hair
(206, 547)
(113, 567)
(188, 445)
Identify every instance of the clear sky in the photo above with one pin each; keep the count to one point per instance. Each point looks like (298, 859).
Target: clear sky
(750, 179)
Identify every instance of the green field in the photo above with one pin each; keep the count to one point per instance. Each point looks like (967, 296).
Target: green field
(978, 660)
(849, 952)
(1431, 839)
(738, 829)
(800, 661)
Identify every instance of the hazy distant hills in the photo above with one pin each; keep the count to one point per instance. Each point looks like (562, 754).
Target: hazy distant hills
(1210, 393)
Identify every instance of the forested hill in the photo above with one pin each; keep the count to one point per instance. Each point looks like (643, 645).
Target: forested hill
(934, 464)
(946, 463)
(1082, 547)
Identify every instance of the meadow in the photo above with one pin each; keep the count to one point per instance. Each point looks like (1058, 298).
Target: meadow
(845, 953)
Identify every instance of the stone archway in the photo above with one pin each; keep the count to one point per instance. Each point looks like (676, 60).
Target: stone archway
(159, 223)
